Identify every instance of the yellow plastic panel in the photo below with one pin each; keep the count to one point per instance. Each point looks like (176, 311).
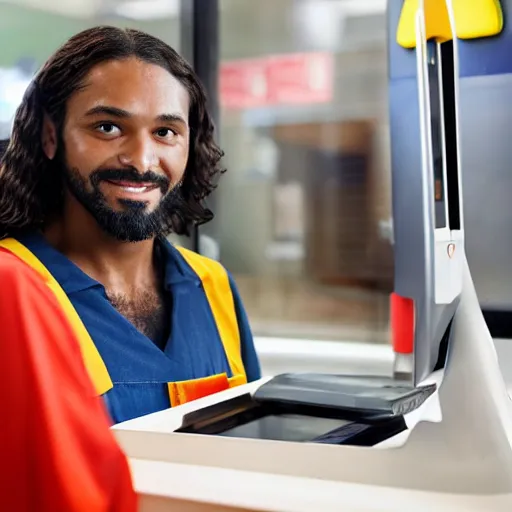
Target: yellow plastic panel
(477, 18)
(473, 19)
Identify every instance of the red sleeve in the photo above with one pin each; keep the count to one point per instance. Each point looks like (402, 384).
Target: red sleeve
(57, 451)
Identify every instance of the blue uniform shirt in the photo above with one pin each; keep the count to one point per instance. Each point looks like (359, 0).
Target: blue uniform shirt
(139, 370)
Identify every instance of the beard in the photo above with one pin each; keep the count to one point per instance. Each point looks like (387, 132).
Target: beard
(132, 224)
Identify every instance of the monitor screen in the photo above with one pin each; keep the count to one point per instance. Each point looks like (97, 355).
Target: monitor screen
(286, 427)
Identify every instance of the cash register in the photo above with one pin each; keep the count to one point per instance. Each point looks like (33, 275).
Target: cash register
(329, 409)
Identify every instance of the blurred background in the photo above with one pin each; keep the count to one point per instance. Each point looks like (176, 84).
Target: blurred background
(303, 214)
(299, 91)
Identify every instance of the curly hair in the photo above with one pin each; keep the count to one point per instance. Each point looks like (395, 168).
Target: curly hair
(31, 191)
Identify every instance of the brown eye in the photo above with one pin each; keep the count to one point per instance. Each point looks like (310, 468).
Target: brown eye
(108, 128)
(165, 133)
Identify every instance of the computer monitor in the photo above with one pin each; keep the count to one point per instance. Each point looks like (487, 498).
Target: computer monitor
(427, 201)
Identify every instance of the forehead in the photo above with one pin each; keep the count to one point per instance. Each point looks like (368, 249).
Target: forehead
(132, 85)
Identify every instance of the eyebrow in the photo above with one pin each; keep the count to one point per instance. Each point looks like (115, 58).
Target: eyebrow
(124, 114)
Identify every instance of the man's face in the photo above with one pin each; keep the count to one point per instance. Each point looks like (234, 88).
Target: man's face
(126, 141)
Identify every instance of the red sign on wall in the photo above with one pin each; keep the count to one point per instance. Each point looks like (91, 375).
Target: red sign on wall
(300, 78)
(243, 84)
(277, 80)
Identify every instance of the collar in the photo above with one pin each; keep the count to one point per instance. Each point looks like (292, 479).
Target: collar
(176, 269)
(72, 279)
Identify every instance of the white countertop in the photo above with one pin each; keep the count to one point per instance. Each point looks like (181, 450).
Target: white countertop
(225, 488)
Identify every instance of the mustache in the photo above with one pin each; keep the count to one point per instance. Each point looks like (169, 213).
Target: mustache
(132, 175)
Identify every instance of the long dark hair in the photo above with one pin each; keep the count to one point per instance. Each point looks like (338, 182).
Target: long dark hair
(30, 186)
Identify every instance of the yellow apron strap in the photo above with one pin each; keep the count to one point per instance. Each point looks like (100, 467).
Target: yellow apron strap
(93, 362)
(220, 297)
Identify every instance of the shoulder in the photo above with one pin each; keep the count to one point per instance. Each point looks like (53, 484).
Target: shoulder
(14, 273)
(195, 256)
(203, 266)
(30, 312)
(21, 288)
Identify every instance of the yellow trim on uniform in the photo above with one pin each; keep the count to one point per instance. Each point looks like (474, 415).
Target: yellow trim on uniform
(237, 380)
(93, 362)
(216, 285)
(473, 19)
(219, 295)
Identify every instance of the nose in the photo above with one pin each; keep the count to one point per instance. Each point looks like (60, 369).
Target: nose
(140, 153)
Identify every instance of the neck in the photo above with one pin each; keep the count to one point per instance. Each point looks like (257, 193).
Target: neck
(119, 266)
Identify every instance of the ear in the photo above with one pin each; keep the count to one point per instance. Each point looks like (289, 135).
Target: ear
(49, 137)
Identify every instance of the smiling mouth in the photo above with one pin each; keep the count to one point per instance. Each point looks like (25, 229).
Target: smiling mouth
(133, 187)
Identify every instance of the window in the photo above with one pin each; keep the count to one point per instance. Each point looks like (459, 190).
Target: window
(303, 215)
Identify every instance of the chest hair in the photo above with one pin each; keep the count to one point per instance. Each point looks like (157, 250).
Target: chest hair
(146, 310)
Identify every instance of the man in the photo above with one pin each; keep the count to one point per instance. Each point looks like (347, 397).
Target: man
(112, 149)
(58, 451)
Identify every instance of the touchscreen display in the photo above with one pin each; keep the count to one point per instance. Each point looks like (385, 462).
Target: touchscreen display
(285, 427)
